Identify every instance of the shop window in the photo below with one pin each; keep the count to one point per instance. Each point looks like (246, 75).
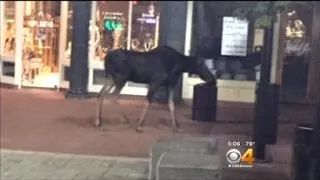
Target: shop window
(69, 34)
(297, 52)
(229, 58)
(41, 39)
(145, 26)
(144, 29)
(111, 27)
(9, 26)
(8, 69)
(98, 77)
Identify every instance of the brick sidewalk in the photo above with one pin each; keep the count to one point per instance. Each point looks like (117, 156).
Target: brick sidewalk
(42, 120)
(45, 121)
(17, 165)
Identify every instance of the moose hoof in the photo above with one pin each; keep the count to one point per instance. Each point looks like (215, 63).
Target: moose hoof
(139, 129)
(176, 130)
(97, 123)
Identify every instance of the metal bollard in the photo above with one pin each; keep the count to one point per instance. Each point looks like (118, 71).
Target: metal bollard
(301, 154)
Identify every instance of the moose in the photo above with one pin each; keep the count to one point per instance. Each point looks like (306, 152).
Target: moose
(160, 67)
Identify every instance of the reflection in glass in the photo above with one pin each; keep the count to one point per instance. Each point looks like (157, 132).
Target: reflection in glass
(9, 35)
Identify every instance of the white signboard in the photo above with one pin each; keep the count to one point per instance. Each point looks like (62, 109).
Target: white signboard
(234, 37)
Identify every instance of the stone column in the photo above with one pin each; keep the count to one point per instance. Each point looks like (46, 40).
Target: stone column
(79, 53)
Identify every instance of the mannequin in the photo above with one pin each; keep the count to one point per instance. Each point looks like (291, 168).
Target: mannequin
(96, 30)
(9, 45)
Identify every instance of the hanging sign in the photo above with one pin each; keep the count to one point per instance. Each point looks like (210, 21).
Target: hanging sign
(234, 37)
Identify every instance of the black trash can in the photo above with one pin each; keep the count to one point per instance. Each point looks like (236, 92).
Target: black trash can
(204, 106)
(301, 153)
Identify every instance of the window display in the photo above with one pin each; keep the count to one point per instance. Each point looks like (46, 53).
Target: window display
(145, 26)
(110, 30)
(113, 29)
(9, 35)
(69, 33)
(41, 28)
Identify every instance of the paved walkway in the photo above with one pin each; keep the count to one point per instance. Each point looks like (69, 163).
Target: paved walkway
(31, 165)
(37, 120)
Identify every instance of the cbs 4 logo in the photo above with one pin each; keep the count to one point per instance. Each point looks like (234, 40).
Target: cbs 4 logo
(234, 156)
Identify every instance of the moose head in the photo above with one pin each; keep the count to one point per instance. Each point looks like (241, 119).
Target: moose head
(201, 67)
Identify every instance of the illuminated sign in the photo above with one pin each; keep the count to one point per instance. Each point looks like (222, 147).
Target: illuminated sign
(112, 25)
(112, 21)
(147, 18)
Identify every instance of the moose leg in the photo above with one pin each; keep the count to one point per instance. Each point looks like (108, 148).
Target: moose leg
(109, 84)
(115, 95)
(175, 124)
(118, 84)
(143, 117)
(152, 89)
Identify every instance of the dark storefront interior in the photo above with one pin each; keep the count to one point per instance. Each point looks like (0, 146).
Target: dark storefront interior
(297, 36)
(207, 40)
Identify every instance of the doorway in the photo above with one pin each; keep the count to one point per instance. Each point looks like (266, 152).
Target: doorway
(41, 26)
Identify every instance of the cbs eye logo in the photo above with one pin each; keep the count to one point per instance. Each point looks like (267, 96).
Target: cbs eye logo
(234, 156)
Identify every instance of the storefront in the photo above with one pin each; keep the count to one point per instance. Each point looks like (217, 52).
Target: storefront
(212, 37)
(36, 40)
(36, 43)
(295, 55)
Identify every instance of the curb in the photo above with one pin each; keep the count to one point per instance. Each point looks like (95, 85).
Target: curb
(66, 155)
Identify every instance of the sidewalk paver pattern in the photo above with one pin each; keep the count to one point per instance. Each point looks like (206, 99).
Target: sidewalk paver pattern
(27, 165)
